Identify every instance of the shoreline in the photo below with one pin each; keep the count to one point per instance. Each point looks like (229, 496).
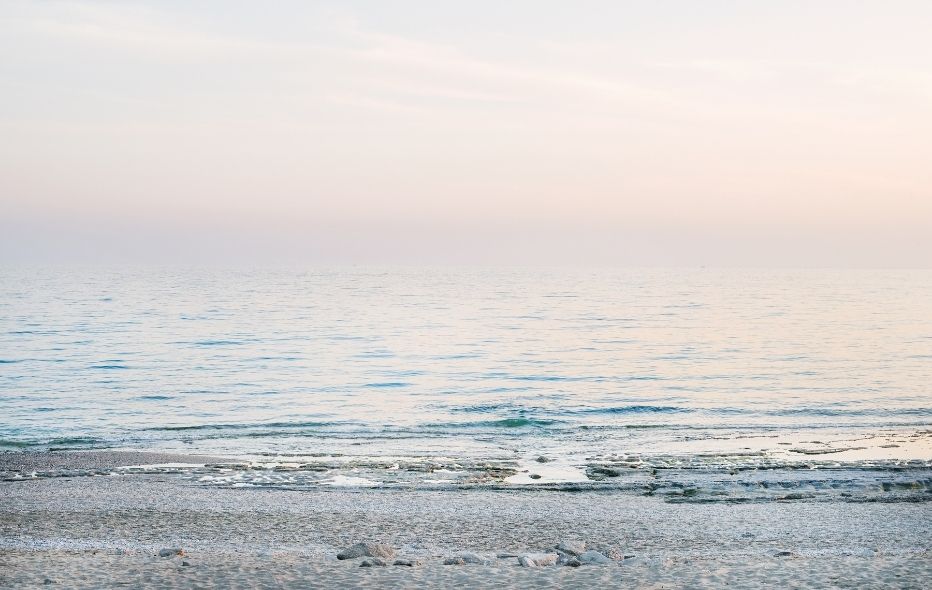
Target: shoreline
(94, 530)
(693, 480)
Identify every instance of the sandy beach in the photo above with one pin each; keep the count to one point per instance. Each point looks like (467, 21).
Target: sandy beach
(108, 530)
(355, 294)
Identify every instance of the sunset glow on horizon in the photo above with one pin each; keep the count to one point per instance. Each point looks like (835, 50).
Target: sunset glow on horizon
(668, 133)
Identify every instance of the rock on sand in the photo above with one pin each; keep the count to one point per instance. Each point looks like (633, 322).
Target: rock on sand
(464, 558)
(570, 547)
(593, 557)
(367, 549)
(538, 559)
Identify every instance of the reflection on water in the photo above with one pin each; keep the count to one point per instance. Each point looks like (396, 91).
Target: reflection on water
(470, 364)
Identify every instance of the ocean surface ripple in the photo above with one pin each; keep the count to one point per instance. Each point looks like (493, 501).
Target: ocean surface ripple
(473, 364)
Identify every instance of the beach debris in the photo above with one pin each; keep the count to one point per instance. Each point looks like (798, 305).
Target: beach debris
(571, 547)
(373, 562)
(408, 561)
(538, 559)
(535, 476)
(593, 557)
(171, 552)
(542, 459)
(367, 549)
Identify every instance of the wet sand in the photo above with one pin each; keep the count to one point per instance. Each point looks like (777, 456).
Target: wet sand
(104, 531)
(51, 460)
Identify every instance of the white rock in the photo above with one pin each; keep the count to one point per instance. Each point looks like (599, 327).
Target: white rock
(538, 559)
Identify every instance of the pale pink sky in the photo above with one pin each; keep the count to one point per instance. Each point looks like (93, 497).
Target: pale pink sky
(673, 133)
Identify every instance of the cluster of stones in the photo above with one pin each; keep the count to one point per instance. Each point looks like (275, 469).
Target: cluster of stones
(376, 554)
(566, 553)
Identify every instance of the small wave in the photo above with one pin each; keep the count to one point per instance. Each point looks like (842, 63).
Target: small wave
(632, 409)
(923, 411)
(109, 367)
(154, 397)
(9, 361)
(503, 423)
(59, 443)
(243, 426)
(486, 408)
(639, 409)
(73, 441)
(387, 384)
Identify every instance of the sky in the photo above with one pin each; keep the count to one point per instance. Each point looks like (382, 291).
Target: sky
(523, 132)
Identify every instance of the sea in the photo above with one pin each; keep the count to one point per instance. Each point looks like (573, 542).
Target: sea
(693, 384)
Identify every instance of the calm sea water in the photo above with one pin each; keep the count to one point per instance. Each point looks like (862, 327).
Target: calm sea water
(471, 365)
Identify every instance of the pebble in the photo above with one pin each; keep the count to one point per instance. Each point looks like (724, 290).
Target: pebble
(408, 562)
(367, 549)
(372, 562)
(171, 552)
